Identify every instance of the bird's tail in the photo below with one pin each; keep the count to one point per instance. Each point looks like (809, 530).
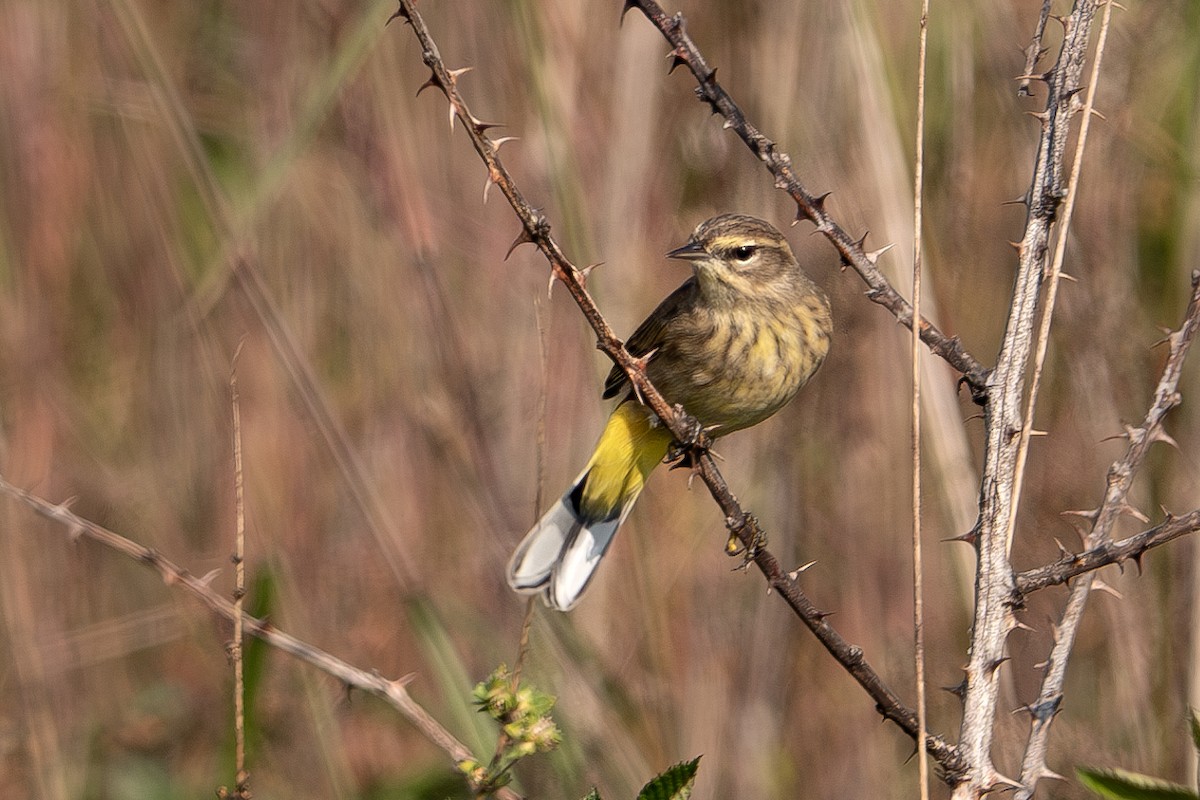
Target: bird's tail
(559, 556)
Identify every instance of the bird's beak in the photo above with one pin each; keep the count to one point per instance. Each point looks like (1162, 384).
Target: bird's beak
(692, 251)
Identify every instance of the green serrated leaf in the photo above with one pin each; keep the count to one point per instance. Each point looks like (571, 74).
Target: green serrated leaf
(674, 783)
(1120, 784)
(1194, 720)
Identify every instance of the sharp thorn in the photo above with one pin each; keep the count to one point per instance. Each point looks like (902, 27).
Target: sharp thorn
(483, 127)
(522, 238)
(802, 568)
(959, 690)
(1045, 773)
(679, 58)
(586, 271)
(1125, 508)
(874, 255)
(968, 537)
(1001, 780)
(1159, 435)
(432, 82)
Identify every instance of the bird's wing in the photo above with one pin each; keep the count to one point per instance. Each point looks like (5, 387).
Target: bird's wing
(649, 335)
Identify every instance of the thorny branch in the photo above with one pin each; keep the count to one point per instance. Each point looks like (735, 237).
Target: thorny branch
(810, 206)
(1004, 387)
(1101, 550)
(1107, 553)
(1034, 51)
(994, 616)
(536, 230)
(392, 692)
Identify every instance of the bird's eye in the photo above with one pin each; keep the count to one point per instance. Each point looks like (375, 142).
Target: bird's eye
(744, 253)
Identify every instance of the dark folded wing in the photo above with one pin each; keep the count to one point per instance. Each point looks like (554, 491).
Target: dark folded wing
(649, 335)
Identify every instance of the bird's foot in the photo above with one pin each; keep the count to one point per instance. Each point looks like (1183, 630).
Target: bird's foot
(758, 541)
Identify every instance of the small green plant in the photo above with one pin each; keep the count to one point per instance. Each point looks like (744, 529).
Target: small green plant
(1120, 784)
(523, 713)
(673, 783)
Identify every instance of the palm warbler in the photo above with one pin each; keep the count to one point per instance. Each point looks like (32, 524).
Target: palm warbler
(732, 345)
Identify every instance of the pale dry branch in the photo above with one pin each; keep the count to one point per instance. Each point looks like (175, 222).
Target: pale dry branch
(536, 229)
(392, 692)
(1101, 550)
(994, 616)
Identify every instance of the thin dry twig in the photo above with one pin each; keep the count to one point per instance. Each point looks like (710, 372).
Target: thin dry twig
(535, 229)
(392, 692)
(1101, 550)
(241, 789)
(915, 355)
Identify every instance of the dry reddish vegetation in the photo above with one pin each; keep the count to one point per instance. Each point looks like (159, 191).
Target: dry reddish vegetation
(395, 368)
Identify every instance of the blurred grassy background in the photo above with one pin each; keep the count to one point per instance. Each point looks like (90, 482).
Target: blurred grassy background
(393, 371)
